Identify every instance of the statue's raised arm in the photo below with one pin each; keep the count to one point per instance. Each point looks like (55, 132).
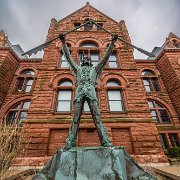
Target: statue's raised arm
(99, 67)
(65, 49)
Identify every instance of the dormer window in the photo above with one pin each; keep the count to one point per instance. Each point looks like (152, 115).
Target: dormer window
(176, 44)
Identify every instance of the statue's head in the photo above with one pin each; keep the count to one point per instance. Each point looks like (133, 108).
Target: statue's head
(85, 60)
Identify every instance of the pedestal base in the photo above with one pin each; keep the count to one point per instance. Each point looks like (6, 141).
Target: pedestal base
(92, 163)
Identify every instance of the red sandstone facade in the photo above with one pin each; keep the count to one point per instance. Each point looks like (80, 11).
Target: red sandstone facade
(150, 92)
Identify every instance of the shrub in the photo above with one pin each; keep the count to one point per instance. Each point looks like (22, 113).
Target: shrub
(174, 152)
(10, 145)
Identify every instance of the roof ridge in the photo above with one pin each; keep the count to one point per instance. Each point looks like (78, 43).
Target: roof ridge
(87, 4)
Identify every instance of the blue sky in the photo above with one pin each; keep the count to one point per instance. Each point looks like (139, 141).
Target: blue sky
(148, 21)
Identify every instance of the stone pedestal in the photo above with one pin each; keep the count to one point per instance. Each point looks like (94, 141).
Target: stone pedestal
(92, 163)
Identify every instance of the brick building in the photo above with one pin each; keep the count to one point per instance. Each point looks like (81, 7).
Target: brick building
(139, 99)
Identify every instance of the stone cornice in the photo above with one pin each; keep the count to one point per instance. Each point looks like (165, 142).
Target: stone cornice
(145, 61)
(105, 120)
(12, 52)
(158, 57)
(31, 60)
(167, 50)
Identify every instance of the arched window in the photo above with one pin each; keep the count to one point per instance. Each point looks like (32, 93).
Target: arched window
(158, 112)
(64, 96)
(91, 50)
(114, 96)
(25, 81)
(150, 81)
(88, 44)
(18, 112)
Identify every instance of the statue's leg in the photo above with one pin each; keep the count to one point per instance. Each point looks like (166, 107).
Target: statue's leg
(101, 130)
(71, 139)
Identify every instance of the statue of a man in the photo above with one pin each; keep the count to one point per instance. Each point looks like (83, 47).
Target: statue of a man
(86, 80)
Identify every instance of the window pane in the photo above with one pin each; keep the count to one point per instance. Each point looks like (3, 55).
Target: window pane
(147, 88)
(113, 83)
(19, 84)
(112, 57)
(114, 95)
(86, 107)
(174, 139)
(159, 106)
(112, 64)
(64, 106)
(17, 106)
(94, 63)
(150, 103)
(65, 83)
(95, 56)
(88, 44)
(115, 105)
(26, 105)
(29, 82)
(28, 72)
(163, 141)
(154, 116)
(164, 116)
(147, 72)
(27, 89)
(146, 82)
(22, 116)
(147, 85)
(64, 64)
(155, 84)
(11, 117)
(64, 95)
(63, 57)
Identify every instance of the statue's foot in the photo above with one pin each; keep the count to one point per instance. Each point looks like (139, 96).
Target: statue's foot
(107, 144)
(69, 145)
(70, 142)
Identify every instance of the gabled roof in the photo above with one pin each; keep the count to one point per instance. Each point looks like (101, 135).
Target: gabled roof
(87, 5)
(157, 50)
(172, 35)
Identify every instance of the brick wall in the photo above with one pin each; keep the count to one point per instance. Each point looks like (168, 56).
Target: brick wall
(169, 68)
(8, 65)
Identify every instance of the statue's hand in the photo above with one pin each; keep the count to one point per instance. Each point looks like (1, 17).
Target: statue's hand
(62, 37)
(115, 37)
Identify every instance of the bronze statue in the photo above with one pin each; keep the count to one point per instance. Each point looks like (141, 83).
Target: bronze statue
(86, 80)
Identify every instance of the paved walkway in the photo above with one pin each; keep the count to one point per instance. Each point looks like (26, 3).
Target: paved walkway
(170, 171)
(173, 172)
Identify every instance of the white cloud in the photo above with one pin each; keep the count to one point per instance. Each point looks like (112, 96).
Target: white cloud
(148, 22)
